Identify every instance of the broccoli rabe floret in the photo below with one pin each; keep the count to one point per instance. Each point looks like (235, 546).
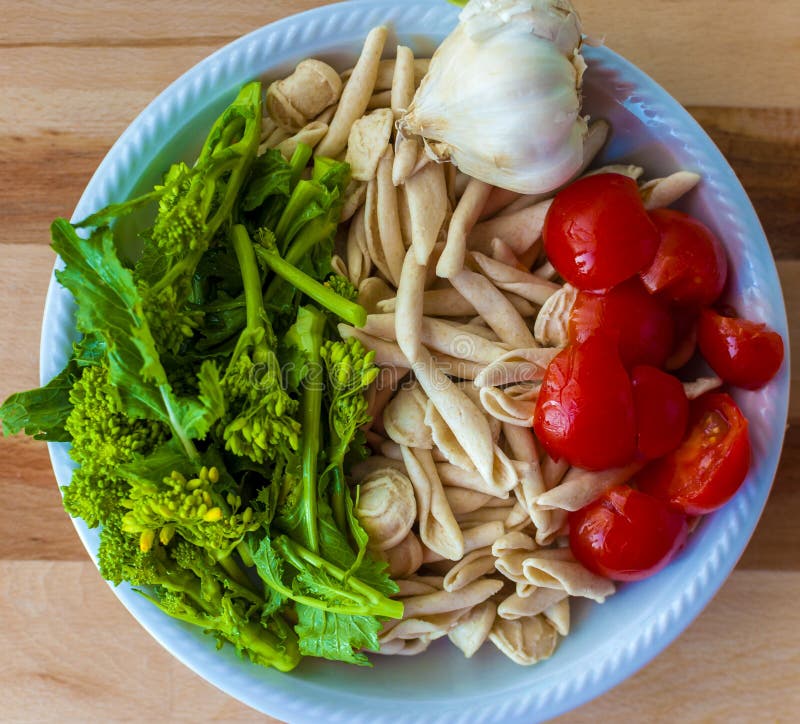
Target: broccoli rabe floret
(350, 370)
(103, 439)
(197, 508)
(260, 422)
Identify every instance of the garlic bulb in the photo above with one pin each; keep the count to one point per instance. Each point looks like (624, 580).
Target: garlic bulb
(502, 100)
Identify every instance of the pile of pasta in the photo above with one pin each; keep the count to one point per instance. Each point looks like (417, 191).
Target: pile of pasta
(465, 313)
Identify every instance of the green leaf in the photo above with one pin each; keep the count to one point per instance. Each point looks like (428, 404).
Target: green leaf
(109, 305)
(271, 176)
(337, 637)
(41, 412)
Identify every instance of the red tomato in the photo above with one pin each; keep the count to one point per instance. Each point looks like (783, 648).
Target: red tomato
(597, 232)
(685, 320)
(626, 535)
(662, 411)
(742, 353)
(641, 322)
(711, 463)
(584, 412)
(690, 265)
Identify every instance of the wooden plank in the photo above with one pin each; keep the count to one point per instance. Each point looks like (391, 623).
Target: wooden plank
(664, 39)
(73, 643)
(763, 147)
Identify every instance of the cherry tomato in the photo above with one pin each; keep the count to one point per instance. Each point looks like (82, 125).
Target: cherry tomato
(662, 411)
(690, 265)
(626, 535)
(742, 353)
(597, 232)
(585, 412)
(711, 463)
(685, 320)
(641, 322)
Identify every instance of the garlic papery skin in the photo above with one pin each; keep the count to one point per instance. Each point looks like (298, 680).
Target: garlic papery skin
(501, 99)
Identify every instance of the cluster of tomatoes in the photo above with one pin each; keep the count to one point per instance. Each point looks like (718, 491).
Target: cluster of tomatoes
(647, 282)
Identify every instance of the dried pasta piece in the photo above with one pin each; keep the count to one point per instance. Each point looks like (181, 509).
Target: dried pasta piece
(405, 558)
(379, 394)
(525, 641)
(476, 536)
(498, 200)
(520, 365)
(504, 407)
(494, 308)
(359, 262)
(486, 515)
(531, 479)
(386, 70)
(580, 487)
(392, 450)
(510, 279)
(445, 601)
(402, 647)
(444, 439)
(520, 230)
(404, 419)
(539, 601)
(552, 323)
(559, 616)
(438, 528)
(411, 586)
(295, 100)
(408, 321)
(440, 336)
(623, 169)
(368, 140)
(407, 151)
(700, 386)
(468, 424)
(394, 249)
(355, 95)
(470, 568)
(502, 252)
(373, 234)
(311, 134)
(381, 100)
(386, 507)
(371, 291)
(426, 195)
(403, 81)
(463, 220)
(557, 568)
(354, 197)
(462, 500)
(471, 631)
(662, 192)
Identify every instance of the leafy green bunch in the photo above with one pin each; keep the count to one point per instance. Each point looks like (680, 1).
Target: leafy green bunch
(211, 407)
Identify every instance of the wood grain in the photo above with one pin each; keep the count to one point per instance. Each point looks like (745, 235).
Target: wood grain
(74, 75)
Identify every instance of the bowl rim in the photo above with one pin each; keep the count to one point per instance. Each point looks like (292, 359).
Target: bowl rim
(606, 673)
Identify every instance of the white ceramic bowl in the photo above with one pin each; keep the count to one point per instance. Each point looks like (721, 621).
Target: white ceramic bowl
(608, 642)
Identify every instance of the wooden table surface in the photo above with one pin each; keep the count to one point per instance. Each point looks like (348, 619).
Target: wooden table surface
(74, 75)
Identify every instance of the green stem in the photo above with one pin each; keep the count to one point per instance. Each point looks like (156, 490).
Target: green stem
(312, 414)
(337, 497)
(232, 569)
(379, 605)
(349, 311)
(250, 276)
(299, 160)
